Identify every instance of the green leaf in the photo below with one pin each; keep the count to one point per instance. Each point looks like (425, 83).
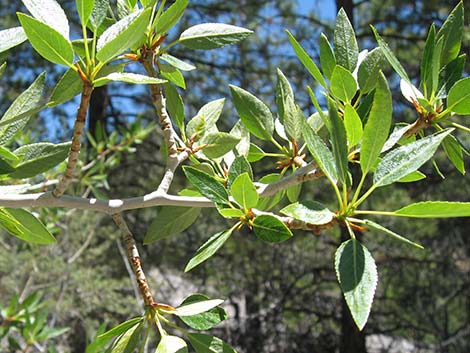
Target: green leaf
(205, 320)
(26, 102)
(283, 90)
(254, 114)
(175, 105)
(343, 84)
(435, 209)
(171, 16)
(199, 307)
(98, 14)
(327, 57)
(357, 275)
(49, 43)
(171, 344)
(353, 125)
(120, 329)
(128, 341)
(11, 37)
(377, 126)
(177, 63)
(271, 229)
(38, 158)
(369, 70)
(320, 152)
(208, 36)
(171, 220)
(25, 226)
(127, 77)
(209, 248)
(173, 75)
(293, 192)
(50, 13)
(427, 62)
(306, 60)
(309, 211)
(226, 212)
(219, 144)
(451, 34)
(390, 56)
(458, 100)
(288, 112)
(406, 159)
(339, 142)
(209, 344)
(346, 49)
(255, 153)
(122, 35)
(207, 185)
(391, 233)
(244, 191)
(450, 74)
(239, 166)
(453, 150)
(412, 177)
(84, 9)
(206, 118)
(2, 69)
(68, 87)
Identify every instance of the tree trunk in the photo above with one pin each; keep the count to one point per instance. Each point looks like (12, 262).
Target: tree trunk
(98, 112)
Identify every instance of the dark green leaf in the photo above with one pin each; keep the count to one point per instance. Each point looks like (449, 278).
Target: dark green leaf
(391, 233)
(293, 192)
(450, 74)
(343, 84)
(239, 166)
(255, 153)
(451, 34)
(209, 344)
(309, 211)
(244, 191)
(68, 87)
(327, 57)
(11, 37)
(339, 142)
(266, 203)
(271, 229)
(171, 16)
(208, 36)
(121, 328)
(346, 49)
(218, 144)
(427, 62)
(357, 275)
(25, 226)
(369, 70)
(435, 209)
(205, 320)
(175, 105)
(454, 152)
(207, 185)
(173, 75)
(458, 100)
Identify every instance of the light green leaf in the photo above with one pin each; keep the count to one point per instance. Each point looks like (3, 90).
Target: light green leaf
(327, 57)
(339, 142)
(369, 70)
(206, 118)
(346, 49)
(177, 63)
(353, 125)
(454, 152)
(208, 36)
(199, 307)
(226, 212)
(68, 87)
(25, 226)
(311, 212)
(50, 13)
(11, 37)
(84, 9)
(406, 159)
(288, 112)
(175, 105)
(451, 34)
(38, 158)
(458, 99)
(427, 63)
(207, 185)
(343, 84)
(171, 220)
(357, 275)
(128, 341)
(435, 209)
(254, 114)
(171, 344)
(171, 16)
(293, 192)
(122, 35)
(283, 90)
(205, 320)
(271, 229)
(172, 74)
(266, 203)
(394, 137)
(209, 248)
(98, 14)
(412, 177)
(218, 144)
(377, 126)
(255, 153)
(128, 77)
(391, 233)
(244, 191)
(49, 43)
(120, 329)
(209, 344)
(239, 130)
(306, 60)
(24, 106)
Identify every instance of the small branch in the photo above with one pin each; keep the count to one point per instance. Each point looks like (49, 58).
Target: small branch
(134, 259)
(74, 151)
(79, 252)
(129, 271)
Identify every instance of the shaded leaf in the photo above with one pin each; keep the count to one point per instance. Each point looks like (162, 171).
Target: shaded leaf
(205, 320)
(175, 105)
(68, 87)
(271, 229)
(339, 142)
(218, 144)
(209, 344)
(207, 185)
(451, 34)
(120, 329)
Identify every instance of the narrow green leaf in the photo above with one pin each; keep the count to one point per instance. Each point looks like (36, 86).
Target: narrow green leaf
(309, 211)
(98, 14)
(406, 159)
(327, 57)
(208, 36)
(343, 84)
(207, 185)
(346, 49)
(23, 105)
(171, 220)
(177, 63)
(450, 74)
(128, 77)
(11, 37)
(427, 62)
(171, 16)
(357, 275)
(171, 344)
(84, 9)
(199, 307)
(306, 60)
(451, 34)
(120, 329)
(254, 114)
(173, 75)
(412, 177)
(435, 209)
(2, 69)
(128, 341)
(175, 105)
(218, 144)
(271, 229)
(205, 320)
(208, 249)
(353, 125)
(390, 56)
(339, 142)
(209, 344)
(454, 152)
(458, 100)
(49, 43)
(283, 90)
(244, 191)
(68, 87)
(369, 70)
(122, 35)
(391, 233)
(377, 126)
(25, 226)
(50, 13)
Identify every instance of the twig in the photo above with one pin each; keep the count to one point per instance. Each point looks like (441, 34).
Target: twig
(129, 271)
(79, 252)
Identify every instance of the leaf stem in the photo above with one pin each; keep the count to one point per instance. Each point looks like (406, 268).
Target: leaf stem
(381, 213)
(365, 196)
(461, 127)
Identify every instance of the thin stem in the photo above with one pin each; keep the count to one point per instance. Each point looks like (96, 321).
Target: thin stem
(365, 196)
(381, 213)
(351, 232)
(146, 337)
(359, 188)
(461, 127)
(87, 51)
